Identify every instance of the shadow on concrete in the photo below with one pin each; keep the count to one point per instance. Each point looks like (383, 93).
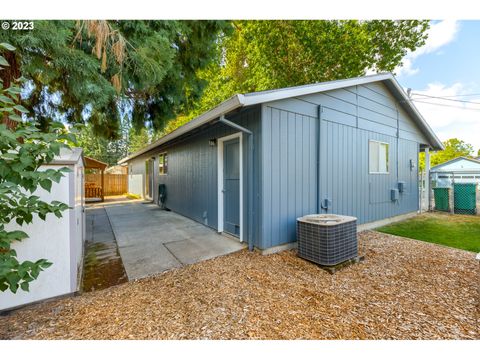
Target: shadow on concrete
(151, 240)
(103, 265)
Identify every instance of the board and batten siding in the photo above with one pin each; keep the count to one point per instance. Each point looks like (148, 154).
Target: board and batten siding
(191, 181)
(350, 117)
(289, 173)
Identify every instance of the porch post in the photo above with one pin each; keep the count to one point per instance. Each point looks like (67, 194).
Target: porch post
(103, 187)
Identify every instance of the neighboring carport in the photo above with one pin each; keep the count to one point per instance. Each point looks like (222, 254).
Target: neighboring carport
(151, 240)
(94, 179)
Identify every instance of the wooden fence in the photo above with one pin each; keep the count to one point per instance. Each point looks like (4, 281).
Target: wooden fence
(115, 184)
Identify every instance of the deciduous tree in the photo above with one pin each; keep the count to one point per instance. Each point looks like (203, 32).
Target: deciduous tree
(262, 55)
(453, 148)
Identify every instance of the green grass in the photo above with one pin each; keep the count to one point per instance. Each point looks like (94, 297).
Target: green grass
(457, 231)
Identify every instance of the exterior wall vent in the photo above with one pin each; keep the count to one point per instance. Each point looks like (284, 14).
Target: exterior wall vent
(327, 239)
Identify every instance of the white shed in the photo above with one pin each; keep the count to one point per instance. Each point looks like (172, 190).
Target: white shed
(60, 241)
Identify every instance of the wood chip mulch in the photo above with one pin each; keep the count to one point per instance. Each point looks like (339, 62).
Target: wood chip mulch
(405, 289)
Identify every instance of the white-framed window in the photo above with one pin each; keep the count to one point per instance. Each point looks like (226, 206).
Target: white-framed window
(163, 164)
(378, 157)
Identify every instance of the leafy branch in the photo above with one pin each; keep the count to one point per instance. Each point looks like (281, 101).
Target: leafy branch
(24, 148)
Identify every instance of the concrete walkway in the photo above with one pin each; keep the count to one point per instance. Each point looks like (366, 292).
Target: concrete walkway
(151, 240)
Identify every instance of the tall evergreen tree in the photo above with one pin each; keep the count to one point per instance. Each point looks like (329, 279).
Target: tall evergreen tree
(83, 69)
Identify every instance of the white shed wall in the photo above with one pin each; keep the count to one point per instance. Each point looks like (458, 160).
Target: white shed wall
(60, 241)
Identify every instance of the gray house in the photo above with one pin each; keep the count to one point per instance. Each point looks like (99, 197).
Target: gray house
(257, 161)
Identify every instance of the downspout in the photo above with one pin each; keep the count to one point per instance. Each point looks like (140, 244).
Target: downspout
(319, 126)
(250, 175)
(398, 136)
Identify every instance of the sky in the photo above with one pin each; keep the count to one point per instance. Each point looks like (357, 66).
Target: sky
(448, 66)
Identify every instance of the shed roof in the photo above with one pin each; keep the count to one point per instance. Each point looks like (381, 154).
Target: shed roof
(94, 163)
(67, 156)
(249, 99)
(475, 161)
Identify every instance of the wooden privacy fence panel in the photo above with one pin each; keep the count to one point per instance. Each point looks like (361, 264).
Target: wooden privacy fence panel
(116, 184)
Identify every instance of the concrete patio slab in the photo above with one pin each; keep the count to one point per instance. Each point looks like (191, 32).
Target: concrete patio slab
(151, 240)
(147, 259)
(191, 251)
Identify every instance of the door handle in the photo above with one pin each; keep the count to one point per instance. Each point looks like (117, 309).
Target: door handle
(223, 190)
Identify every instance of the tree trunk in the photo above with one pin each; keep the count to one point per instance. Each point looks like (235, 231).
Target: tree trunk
(8, 75)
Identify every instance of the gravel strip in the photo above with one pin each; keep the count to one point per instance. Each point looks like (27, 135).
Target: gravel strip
(405, 289)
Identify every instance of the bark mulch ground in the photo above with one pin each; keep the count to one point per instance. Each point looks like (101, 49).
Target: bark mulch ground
(405, 289)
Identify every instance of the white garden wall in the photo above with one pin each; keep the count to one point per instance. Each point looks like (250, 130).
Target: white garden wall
(136, 177)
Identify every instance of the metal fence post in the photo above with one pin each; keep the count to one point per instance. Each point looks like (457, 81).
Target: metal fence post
(452, 209)
(421, 191)
(428, 178)
(477, 195)
(432, 193)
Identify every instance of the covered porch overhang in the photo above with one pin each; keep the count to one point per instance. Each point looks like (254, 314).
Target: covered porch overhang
(94, 179)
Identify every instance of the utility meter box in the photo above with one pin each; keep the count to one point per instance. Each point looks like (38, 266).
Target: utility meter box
(394, 194)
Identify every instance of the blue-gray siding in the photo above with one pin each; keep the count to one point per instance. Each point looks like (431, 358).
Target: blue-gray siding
(289, 173)
(191, 181)
(350, 117)
(292, 142)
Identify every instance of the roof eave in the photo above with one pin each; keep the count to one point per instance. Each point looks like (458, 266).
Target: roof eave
(231, 104)
(240, 100)
(280, 94)
(286, 93)
(435, 142)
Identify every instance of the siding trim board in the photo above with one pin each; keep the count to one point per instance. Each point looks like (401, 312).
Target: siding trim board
(220, 186)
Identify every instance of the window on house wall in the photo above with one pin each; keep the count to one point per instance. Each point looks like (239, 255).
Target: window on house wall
(378, 157)
(162, 164)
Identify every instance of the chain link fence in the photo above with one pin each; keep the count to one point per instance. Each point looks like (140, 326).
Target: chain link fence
(453, 192)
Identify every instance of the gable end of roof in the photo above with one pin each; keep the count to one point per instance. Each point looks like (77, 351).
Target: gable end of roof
(250, 99)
